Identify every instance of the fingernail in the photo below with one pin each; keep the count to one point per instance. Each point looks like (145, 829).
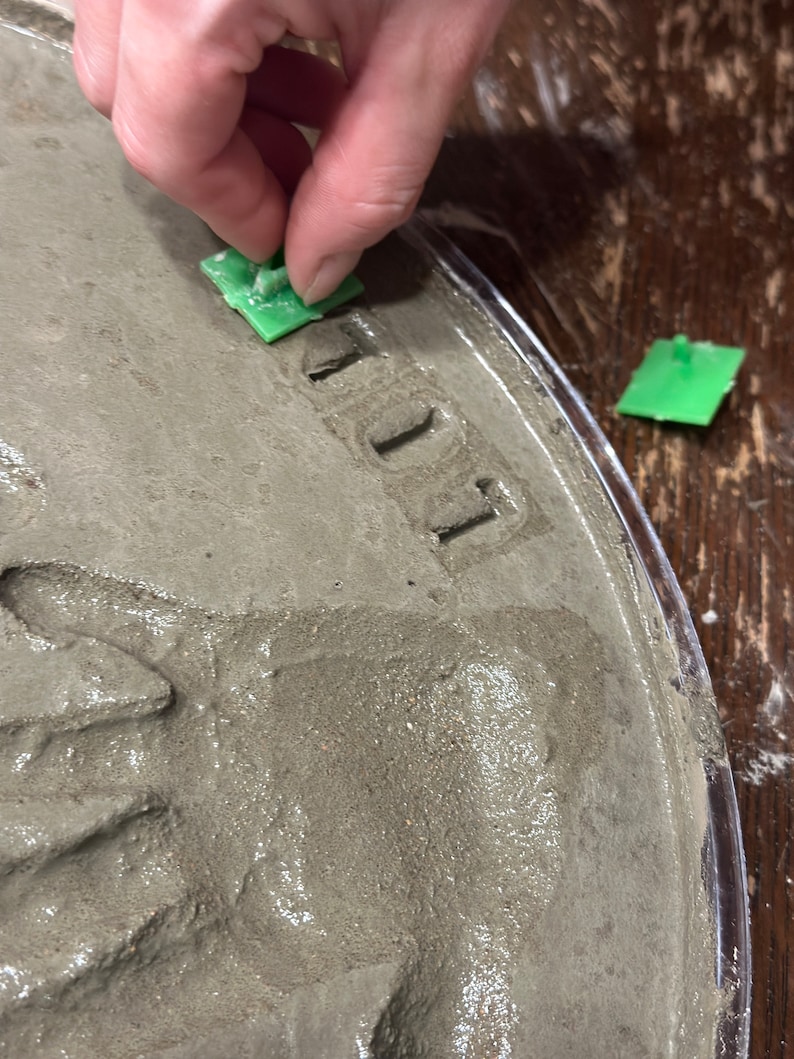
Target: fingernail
(329, 275)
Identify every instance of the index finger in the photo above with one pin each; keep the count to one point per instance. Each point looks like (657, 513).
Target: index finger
(180, 92)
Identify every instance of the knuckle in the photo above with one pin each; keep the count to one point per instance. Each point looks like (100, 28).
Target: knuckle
(135, 150)
(390, 199)
(144, 155)
(95, 87)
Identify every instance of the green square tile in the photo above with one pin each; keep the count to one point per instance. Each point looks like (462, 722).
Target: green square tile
(681, 381)
(263, 295)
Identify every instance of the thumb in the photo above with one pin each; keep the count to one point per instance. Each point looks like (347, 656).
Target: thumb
(371, 162)
(60, 601)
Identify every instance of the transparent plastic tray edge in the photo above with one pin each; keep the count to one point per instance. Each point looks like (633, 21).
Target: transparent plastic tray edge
(725, 875)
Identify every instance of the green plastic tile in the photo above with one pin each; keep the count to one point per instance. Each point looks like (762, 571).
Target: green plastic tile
(681, 381)
(263, 295)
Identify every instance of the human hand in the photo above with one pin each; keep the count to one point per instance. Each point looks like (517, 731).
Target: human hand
(203, 102)
(280, 790)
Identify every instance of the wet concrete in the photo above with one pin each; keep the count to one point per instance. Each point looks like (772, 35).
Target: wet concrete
(337, 718)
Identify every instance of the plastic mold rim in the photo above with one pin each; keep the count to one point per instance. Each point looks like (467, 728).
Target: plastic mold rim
(724, 867)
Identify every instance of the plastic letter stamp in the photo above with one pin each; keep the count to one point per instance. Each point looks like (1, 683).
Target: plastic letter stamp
(264, 296)
(681, 381)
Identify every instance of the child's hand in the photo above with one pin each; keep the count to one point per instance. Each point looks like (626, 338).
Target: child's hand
(202, 103)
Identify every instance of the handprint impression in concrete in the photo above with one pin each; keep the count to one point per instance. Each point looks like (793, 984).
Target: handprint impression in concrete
(340, 819)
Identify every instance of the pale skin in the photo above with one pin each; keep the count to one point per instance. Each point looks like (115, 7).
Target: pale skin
(204, 100)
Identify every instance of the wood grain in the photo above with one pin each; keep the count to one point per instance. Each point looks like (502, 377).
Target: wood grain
(623, 172)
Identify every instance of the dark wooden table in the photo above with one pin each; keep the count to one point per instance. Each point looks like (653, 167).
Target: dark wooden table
(623, 172)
